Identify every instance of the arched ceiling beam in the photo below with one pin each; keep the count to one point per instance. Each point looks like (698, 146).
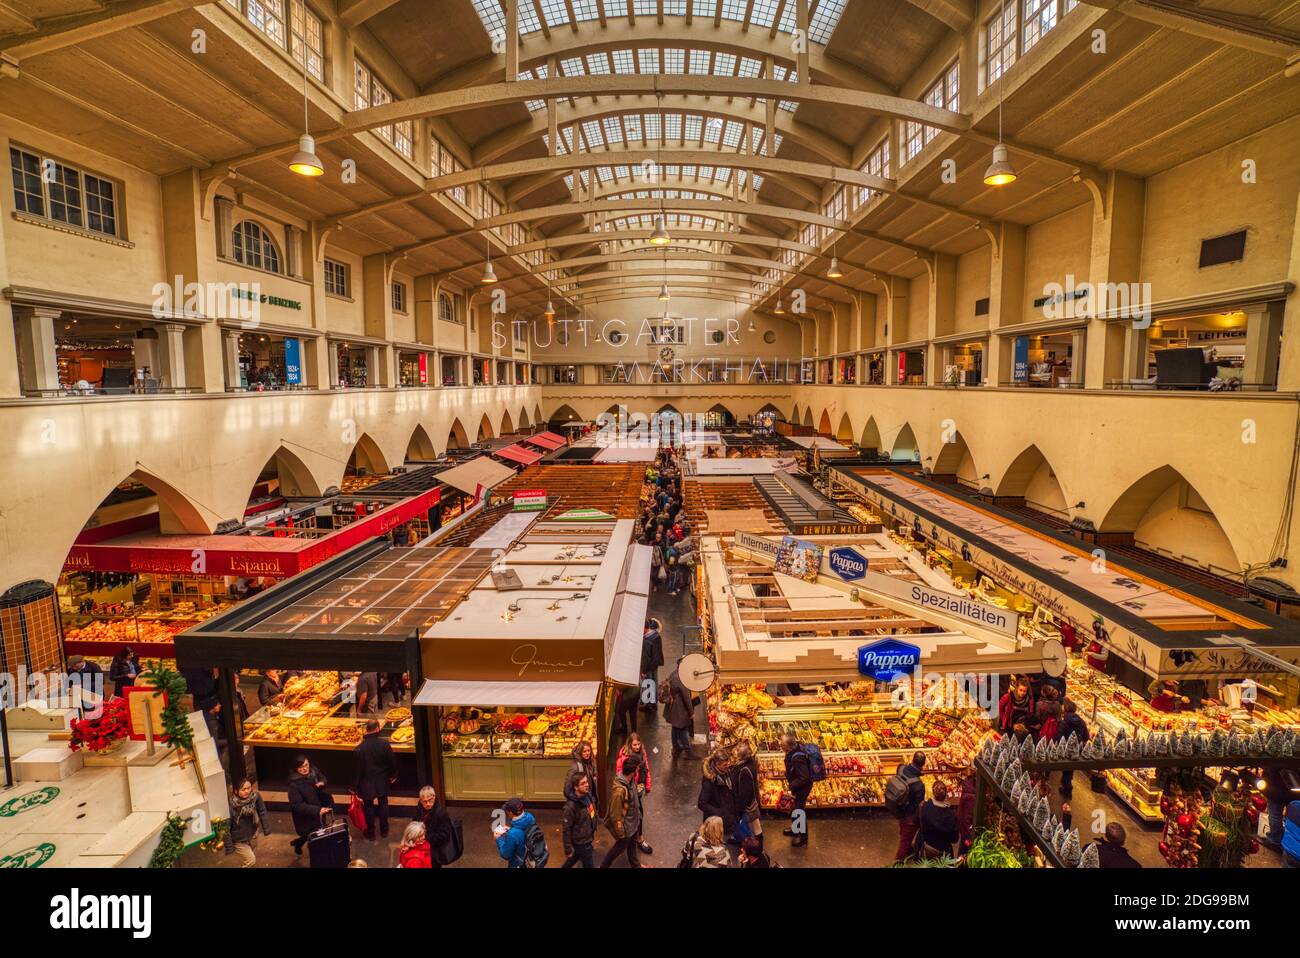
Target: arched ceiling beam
(655, 258)
(353, 13)
(512, 138)
(1234, 30)
(728, 36)
(696, 206)
(657, 275)
(55, 33)
(956, 15)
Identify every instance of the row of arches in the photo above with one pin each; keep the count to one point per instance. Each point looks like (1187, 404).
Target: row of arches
(1160, 508)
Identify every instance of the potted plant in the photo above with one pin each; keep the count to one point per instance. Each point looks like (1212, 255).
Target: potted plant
(103, 734)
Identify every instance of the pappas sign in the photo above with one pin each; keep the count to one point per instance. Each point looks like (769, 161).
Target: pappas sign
(888, 659)
(848, 564)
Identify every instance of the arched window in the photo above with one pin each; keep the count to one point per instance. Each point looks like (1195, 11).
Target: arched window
(252, 246)
(445, 312)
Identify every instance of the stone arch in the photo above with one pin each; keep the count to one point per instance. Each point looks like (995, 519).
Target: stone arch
(457, 438)
(295, 479)
(565, 413)
(537, 415)
(1032, 478)
(728, 417)
(807, 417)
(955, 459)
(507, 424)
(769, 408)
(420, 448)
(1163, 512)
(905, 445)
(824, 424)
(845, 433)
(871, 438)
(794, 414)
(485, 429)
(176, 511)
(366, 457)
(524, 423)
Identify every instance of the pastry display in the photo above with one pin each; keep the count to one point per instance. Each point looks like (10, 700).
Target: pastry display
(549, 733)
(305, 714)
(398, 714)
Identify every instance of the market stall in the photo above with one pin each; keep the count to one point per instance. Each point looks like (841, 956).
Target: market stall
(528, 663)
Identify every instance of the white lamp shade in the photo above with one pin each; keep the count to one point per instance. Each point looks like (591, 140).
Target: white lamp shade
(305, 162)
(1000, 171)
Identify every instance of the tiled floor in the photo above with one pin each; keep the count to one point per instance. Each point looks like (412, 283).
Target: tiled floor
(849, 838)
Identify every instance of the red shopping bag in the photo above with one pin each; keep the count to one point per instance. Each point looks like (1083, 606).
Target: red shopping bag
(357, 813)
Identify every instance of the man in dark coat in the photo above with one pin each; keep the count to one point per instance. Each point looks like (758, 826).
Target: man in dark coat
(579, 828)
(376, 770)
(652, 656)
(799, 782)
(1071, 723)
(437, 823)
(679, 711)
(1111, 852)
(908, 824)
(309, 802)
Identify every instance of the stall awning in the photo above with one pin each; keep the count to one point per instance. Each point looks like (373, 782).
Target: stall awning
(546, 440)
(624, 666)
(468, 476)
(518, 453)
(456, 693)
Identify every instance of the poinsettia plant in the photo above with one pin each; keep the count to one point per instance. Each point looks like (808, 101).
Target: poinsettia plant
(97, 734)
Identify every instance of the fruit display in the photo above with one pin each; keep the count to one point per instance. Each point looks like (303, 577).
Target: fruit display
(863, 738)
(128, 631)
(552, 732)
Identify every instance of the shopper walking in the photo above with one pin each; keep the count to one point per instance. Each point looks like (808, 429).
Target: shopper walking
(584, 763)
(635, 748)
(376, 770)
(706, 848)
(1072, 723)
(579, 822)
(716, 797)
(904, 794)
(652, 658)
(623, 819)
(247, 815)
(679, 710)
(1015, 707)
(414, 851)
(1111, 852)
(744, 792)
(799, 783)
(310, 804)
(521, 843)
(626, 705)
(430, 813)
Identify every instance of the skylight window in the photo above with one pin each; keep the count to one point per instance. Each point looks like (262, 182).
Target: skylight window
(613, 130)
(764, 13)
(675, 61)
(713, 130)
(632, 123)
(597, 64)
(724, 64)
(700, 62)
(624, 62)
(648, 59)
(705, 8)
(554, 10)
(693, 126)
(572, 67)
(731, 134)
(585, 10)
(646, 8)
(749, 67)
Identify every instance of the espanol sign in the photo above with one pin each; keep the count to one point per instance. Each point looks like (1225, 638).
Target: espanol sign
(888, 659)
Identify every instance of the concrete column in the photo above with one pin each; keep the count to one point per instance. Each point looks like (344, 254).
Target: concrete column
(332, 359)
(293, 251)
(37, 357)
(1263, 343)
(1289, 374)
(1135, 352)
(374, 360)
(1078, 355)
(895, 313)
(1006, 296)
(230, 357)
(223, 213)
(170, 372)
(941, 314)
(1119, 208)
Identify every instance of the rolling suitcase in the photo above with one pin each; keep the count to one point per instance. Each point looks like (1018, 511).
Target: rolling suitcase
(330, 847)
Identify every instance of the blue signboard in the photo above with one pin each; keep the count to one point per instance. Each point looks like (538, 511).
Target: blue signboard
(848, 564)
(1020, 360)
(293, 362)
(888, 659)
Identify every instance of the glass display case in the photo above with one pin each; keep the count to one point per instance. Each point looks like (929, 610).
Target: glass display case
(310, 714)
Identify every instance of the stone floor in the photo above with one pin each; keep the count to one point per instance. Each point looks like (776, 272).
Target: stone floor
(848, 838)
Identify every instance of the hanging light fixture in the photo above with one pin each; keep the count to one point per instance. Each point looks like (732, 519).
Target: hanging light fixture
(305, 162)
(780, 310)
(1000, 171)
(834, 272)
(489, 274)
(660, 235)
(550, 309)
(664, 295)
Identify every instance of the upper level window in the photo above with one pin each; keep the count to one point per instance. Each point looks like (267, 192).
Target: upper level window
(368, 91)
(1040, 16)
(445, 311)
(399, 297)
(336, 278)
(1000, 42)
(877, 164)
(445, 164)
(55, 191)
(945, 94)
(301, 33)
(252, 246)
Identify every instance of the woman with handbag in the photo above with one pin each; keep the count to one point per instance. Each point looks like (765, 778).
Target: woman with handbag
(635, 748)
(744, 792)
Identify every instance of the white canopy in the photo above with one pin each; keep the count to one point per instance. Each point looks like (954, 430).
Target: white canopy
(448, 692)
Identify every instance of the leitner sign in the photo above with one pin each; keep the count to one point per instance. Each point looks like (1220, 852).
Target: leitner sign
(848, 564)
(888, 659)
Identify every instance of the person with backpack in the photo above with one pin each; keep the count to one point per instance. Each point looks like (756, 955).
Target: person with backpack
(799, 783)
(1047, 713)
(1071, 723)
(904, 794)
(937, 828)
(521, 843)
(652, 657)
(579, 830)
(679, 710)
(623, 818)
(636, 749)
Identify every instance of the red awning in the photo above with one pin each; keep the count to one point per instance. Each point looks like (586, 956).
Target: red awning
(518, 453)
(547, 440)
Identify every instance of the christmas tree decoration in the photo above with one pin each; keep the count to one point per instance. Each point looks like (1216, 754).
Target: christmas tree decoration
(1070, 850)
(1041, 816)
(1087, 750)
(1015, 794)
(1040, 750)
(1072, 747)
(1090, 857)
(1273, 744)
(1026, 749)
(1057, 840)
